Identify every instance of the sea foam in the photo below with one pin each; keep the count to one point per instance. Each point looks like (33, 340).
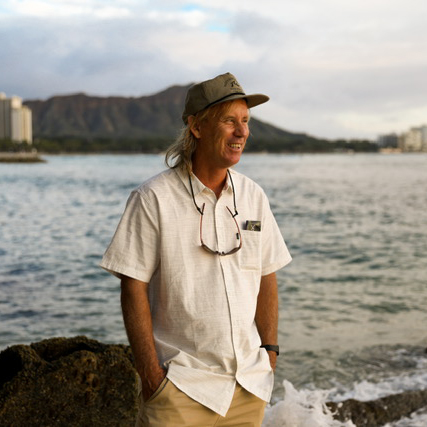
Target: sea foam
(304, 408)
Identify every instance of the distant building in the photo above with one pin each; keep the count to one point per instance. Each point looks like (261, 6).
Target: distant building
(415, 139)
(15, 120)
(424, 138)
(388, 141)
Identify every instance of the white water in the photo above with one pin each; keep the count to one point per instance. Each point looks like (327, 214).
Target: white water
(307, 408)
(302, 408)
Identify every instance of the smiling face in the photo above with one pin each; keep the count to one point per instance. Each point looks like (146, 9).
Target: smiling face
(221, 137)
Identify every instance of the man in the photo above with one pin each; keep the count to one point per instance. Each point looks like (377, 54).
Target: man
(197, 249)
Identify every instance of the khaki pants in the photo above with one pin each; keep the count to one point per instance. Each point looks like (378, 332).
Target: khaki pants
(170, 407)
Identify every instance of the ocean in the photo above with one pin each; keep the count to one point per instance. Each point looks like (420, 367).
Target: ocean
(352, 302)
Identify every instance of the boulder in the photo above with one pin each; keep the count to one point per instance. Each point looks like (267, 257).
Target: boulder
(67, 382)
(380, 411)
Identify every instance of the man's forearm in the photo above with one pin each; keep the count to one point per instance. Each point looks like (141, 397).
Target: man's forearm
(267, 313)
(138, 324)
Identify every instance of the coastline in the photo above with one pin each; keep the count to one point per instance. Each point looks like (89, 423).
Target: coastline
(21, 158)
(36, 156)
(54, 380)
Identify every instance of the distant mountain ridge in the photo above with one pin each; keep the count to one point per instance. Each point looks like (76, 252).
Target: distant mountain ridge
(154, 116)
(80, 123)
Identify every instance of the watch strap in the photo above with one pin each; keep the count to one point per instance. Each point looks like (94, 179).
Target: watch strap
(270, 347)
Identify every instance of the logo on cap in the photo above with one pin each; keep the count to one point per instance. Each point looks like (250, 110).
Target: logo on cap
(234, 84)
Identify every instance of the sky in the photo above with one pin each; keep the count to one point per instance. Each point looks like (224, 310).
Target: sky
(332, 68)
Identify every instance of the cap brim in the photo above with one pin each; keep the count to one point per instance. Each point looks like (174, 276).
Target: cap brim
(256, 99)
(251, 100)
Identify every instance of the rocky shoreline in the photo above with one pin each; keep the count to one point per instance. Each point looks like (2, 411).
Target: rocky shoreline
(80, 382)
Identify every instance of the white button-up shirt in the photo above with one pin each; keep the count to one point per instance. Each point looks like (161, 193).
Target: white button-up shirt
(203, 305)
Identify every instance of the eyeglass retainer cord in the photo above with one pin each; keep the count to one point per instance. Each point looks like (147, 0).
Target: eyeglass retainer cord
(234, 195)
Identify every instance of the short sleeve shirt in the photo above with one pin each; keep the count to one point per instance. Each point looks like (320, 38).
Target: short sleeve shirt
(202, 305)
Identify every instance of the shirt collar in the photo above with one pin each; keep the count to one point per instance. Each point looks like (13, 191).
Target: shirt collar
(198, 185)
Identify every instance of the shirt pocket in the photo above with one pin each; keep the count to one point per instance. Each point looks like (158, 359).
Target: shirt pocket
(250, 254)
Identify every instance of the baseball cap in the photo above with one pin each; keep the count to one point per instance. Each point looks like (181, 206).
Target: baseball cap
(222, 88)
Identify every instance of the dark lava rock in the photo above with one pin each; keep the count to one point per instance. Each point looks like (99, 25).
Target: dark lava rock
(67, 382)
(381, 411)
(71, 382)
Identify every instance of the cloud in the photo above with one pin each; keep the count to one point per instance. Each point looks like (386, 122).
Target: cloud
(332, 68)
(67, 8)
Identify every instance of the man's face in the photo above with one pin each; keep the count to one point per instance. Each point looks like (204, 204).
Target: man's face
(221, 139)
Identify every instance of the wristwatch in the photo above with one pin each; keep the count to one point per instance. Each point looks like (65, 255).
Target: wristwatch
(270, 347)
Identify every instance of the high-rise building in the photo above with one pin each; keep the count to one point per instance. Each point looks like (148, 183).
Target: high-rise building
(15, 120)
(424, 138)
(413, 139)
(390, 140)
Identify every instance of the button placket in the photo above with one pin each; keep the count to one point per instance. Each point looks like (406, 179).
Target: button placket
(226, 230)
(233, 305)
(220, 226)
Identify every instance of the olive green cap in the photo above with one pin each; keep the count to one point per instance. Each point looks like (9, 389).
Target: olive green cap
(222, 88)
